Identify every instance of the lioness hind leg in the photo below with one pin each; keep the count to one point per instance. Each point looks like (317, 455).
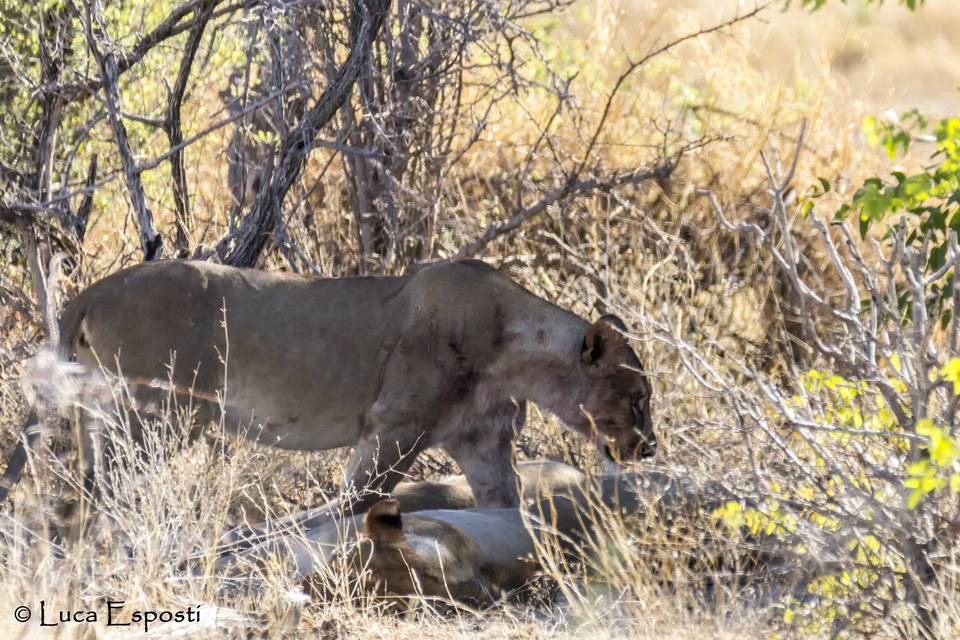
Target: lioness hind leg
(483, 448)
(18, 459)
(114, 445)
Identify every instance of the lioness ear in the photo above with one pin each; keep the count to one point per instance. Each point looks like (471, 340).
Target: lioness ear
(383, 521)
(603, 343)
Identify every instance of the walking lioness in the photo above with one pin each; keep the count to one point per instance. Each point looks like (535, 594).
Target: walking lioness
(443, 357)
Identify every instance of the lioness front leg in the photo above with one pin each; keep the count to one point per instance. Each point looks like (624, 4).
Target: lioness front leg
(378, 463)
(484, 451)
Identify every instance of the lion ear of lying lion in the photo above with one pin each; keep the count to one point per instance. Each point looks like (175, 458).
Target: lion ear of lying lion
(384, 522)
(602, 348)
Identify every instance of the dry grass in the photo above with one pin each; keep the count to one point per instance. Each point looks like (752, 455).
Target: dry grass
(659, 255)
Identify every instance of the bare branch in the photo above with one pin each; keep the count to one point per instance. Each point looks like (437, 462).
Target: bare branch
(243, 248)
(572, 184)
(174, 24)
(567, 190)
(634, 65)
(174, 131)
(83, 211)
(150, 241)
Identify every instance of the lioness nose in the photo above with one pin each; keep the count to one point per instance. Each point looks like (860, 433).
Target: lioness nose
(641, 447)
(645, 446)
(648, 449)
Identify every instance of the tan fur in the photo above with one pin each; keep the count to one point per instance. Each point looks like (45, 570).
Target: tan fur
(536, 478)
(444, 357)
(439, 554)
(473, 555)
(477, 555)
(311, 547)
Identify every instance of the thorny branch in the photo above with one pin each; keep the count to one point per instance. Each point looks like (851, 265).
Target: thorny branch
(568, 190)
(173, 25)
(861, 333)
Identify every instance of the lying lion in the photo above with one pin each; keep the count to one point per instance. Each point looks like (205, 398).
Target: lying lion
(310, 544)
(428, 540)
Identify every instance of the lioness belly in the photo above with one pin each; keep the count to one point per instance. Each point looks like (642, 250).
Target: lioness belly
(304, 431)
(500, 534)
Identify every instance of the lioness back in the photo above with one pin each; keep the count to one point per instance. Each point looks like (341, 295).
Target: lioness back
(289, 350)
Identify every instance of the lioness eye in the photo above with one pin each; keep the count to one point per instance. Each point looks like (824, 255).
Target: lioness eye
(636, 404)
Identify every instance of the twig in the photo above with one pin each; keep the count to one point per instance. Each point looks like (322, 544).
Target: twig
(572, 184)
(244, 247)
(170, 27)
(150, 241)
(174, 131)
(634, 65)
(566, 190)
(83, 211)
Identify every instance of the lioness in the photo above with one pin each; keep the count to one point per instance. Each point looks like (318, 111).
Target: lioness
(536, 477)
(476, 555)
(472, 554)
(443, 357)
(309, 548)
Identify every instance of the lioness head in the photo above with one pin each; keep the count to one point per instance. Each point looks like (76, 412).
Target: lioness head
(615, 405)
(402, 557)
